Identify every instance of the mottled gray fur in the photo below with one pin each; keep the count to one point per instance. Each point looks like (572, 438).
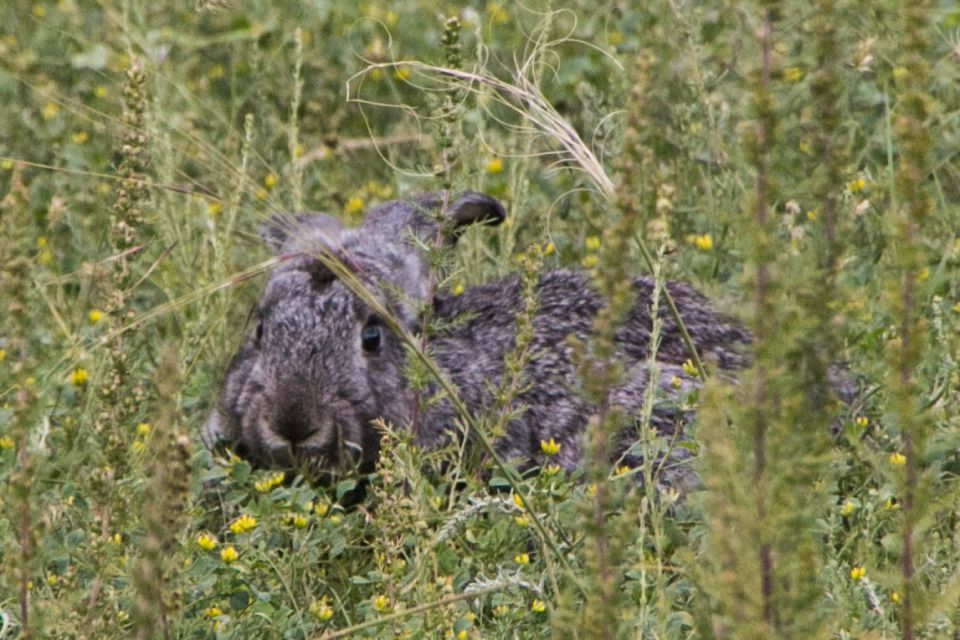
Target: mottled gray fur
(306, 384)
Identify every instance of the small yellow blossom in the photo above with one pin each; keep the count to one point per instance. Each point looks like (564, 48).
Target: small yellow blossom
(517, 500)
(78, 377)
(216, 72)
(354, 205)
(321, 509)
(500, 610)
(614, 38)
(551, 470)
(229, 555)
(897, 459)
(792, 74)
(592, 243)
(206, 541)
(214, 208)
(402, 72)
(899, 73)
(52, 579)
(50, 111)
(675, 382)
(549, 249)
(244, 523)
(589, 262)
(139, 446)
(494, 165)
(538, 606)
(3, 355)
(857, 573)
(458, 289)
(923, 274)
(381, 603)
(7, 165)
(212, 612)
(270, 181)
(260, 193)
(549, 447)
(298, 521)
(857, 185)
(298, 151)
(621, 470)
(143, 429)
(95, 316)
(122, 616)
(6, 442)
(522, 521)
(498, 15)
(895, 597)
(336, 518)
(689, 368)
(80, 137)
(862, 421)
(39, 11)
(522, 558)
(956, 308)
(847, 509)
(806, 147)
(591, 489)
(376, 74)
(321, 610)
(116, 539)
(703, 242)
(100, 91)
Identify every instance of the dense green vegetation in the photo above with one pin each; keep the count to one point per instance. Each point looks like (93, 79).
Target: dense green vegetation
(796, 161)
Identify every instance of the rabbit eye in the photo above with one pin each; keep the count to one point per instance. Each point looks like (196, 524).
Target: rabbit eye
(370, 337)
(259, 333)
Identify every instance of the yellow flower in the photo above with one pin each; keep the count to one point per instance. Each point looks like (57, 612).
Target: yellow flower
(614, 38)
(100, 91)
(3, 355)
(6, 442)
(522, 521)
(95, 316)
(298, 521)
(857, 185)
(494, 166)
(551, 470)
(229, 555)
(139, 446)
(212, 612)
(7, 165)
(321, 509)
(401, 72)
(244, 523)
(675, 382)
(381, 603)
(689, 368)
(549, 249)
(321, 610)
(336, 518)
(458, 289)
(538, 606)
(78, 377)
(498, 15)
(80, 137)
(847, 509)
(517, 500)
(792, 74)
(857, 573)
(522, 558)
(260, 193)
(703, 242)
(897, 459)
(143, 429)
(592, 489)
(593, 243)
(956, 308)
(621, 470)
(298, 151)
(270, 181)
(214, 208)
(354, 205)
(895, 597)
(899, 73)
(50, 111)
(206, 541)
(500, 610)
(39, 11)
(862, 421)
(549, 447)
(215, 72)
(589, 262)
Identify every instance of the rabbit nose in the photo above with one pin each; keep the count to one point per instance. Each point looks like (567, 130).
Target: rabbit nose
(293, 425)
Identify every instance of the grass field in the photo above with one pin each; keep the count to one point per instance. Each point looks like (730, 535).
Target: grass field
(798, 162)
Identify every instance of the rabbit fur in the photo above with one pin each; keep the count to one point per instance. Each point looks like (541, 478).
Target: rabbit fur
(320, 367)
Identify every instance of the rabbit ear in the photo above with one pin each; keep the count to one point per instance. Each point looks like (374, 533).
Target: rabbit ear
(475, 208)
(284, 232)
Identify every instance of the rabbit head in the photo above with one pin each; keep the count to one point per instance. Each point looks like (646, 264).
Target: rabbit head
(320, 364)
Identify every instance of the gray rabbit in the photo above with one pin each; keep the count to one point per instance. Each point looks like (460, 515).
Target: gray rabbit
(320, 366)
